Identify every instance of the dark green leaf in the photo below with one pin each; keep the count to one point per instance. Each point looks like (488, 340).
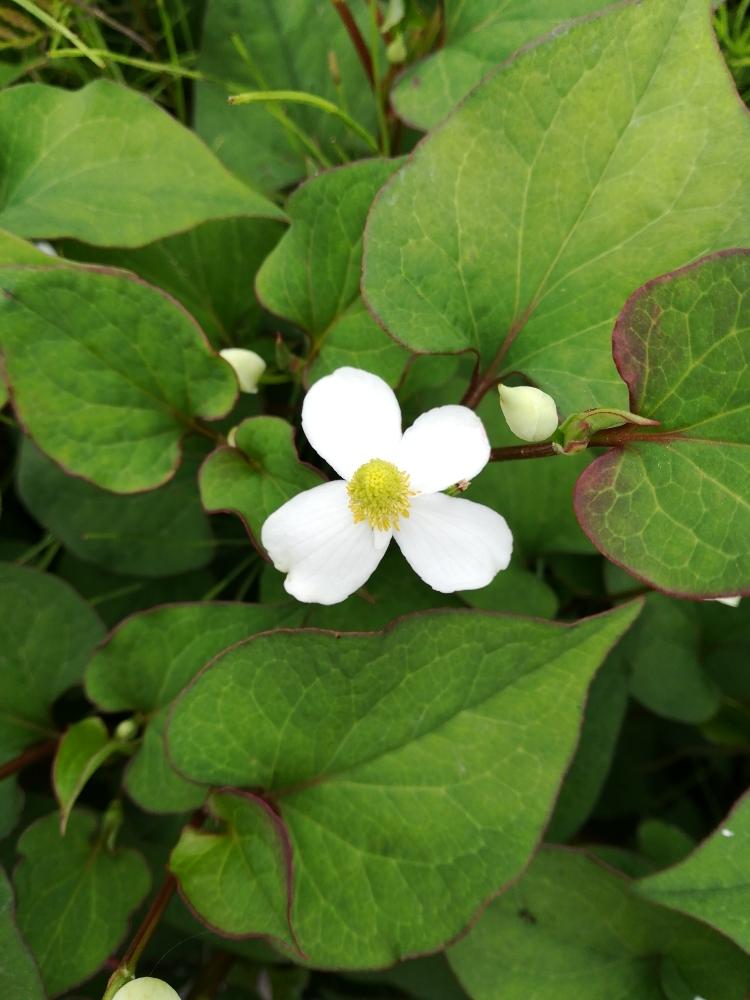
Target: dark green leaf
(74, 897)
(107, 373)
(394, 761)
(672, 506)
(573, 930)
(47, 634)
(160, 533)
(19, 976)
(106, 165)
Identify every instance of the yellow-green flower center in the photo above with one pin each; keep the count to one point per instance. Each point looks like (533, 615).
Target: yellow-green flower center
(379, 493)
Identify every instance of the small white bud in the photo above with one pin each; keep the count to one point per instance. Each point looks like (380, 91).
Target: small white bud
(733, 602)
(147, 988)
(46, 247)
(232, 437)
(530, 413)
(126, 729)
(248, 367)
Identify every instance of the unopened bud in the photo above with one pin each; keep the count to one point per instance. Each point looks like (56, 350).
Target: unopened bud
(126, 729)
(733, 602)
(530, 413)
(46, 247)
(232, 437)
(248, 367)
(147, 988)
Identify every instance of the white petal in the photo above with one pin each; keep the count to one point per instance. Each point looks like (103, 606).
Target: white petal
(442, 447)
(248, 367)
(732, 602)
(313, 538)
(454, 544)
(350, 417)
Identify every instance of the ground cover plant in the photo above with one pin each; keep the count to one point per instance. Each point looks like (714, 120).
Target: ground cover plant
(375, 480)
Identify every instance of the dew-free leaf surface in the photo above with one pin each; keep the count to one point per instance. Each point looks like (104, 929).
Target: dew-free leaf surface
(19, 976)
(572, 929)
(106, 372)
(84, 747)
(105, 165)
(147, 661)
(675, 510)
(47, 634)
(413, 770)
(257, 476)
(712, 882)
(74, 897)
(521, 225)
(477, 35)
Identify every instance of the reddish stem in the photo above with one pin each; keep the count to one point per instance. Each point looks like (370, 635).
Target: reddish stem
(356, 36)
(149, 922)
(517, 451)
(30, 756)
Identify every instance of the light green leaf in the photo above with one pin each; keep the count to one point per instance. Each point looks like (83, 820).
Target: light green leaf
(154, 534)
(249, 852)
(19, 976)
(518, 229)
(74, 897)
(573, 930)
(147, 661)
(478, 35)
(81, 752)
(47, 634)
(249, 45)
(711, 883)
(672, 506)
(209, 269)
(96, 164)
(257, 476)
(414, 802)
(312, 277)
(14, 250)
(107, 373)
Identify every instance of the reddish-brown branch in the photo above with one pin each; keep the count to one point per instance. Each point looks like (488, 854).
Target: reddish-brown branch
(517, 451)
(149, 922)
(38, 752)
(354, 33)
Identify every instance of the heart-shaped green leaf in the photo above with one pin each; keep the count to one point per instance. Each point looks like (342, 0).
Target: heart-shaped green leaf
(82, 750)
(573, 930)
(107, 373)
(518, 228)
(74, 897)
(147, 661)
(414, 770)
(47, 634)
(672, 505)
(19, 976)
(95, 163)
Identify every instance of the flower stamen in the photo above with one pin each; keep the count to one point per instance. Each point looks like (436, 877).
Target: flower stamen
(379, 493)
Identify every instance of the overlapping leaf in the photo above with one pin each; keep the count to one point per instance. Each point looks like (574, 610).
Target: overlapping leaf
(19, 976)
(107, 373)
(521, 225)
(95, 163)
(413, 770)
(258, 475)
(74, 897)
(478, 34)
(573, 930)
(148, 660)
(673, 505)
(313, 275)
(47, 634)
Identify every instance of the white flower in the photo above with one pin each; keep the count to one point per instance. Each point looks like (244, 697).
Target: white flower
(147, 988)
(248, 367)
(530, 413)
(329, 539)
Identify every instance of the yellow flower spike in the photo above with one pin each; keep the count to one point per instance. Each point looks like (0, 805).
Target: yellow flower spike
(379, 493)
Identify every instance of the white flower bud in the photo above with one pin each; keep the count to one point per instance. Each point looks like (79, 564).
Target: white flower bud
(733, 602)
(46, 247)
(232, 437)
(248, 367)
(530, 413)
(147, 988)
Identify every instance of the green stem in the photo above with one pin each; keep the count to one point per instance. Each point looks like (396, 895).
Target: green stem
(41, 15)
(378, 89)
(35, 549)
(238, 570)
(301, 97)
(174, 59)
